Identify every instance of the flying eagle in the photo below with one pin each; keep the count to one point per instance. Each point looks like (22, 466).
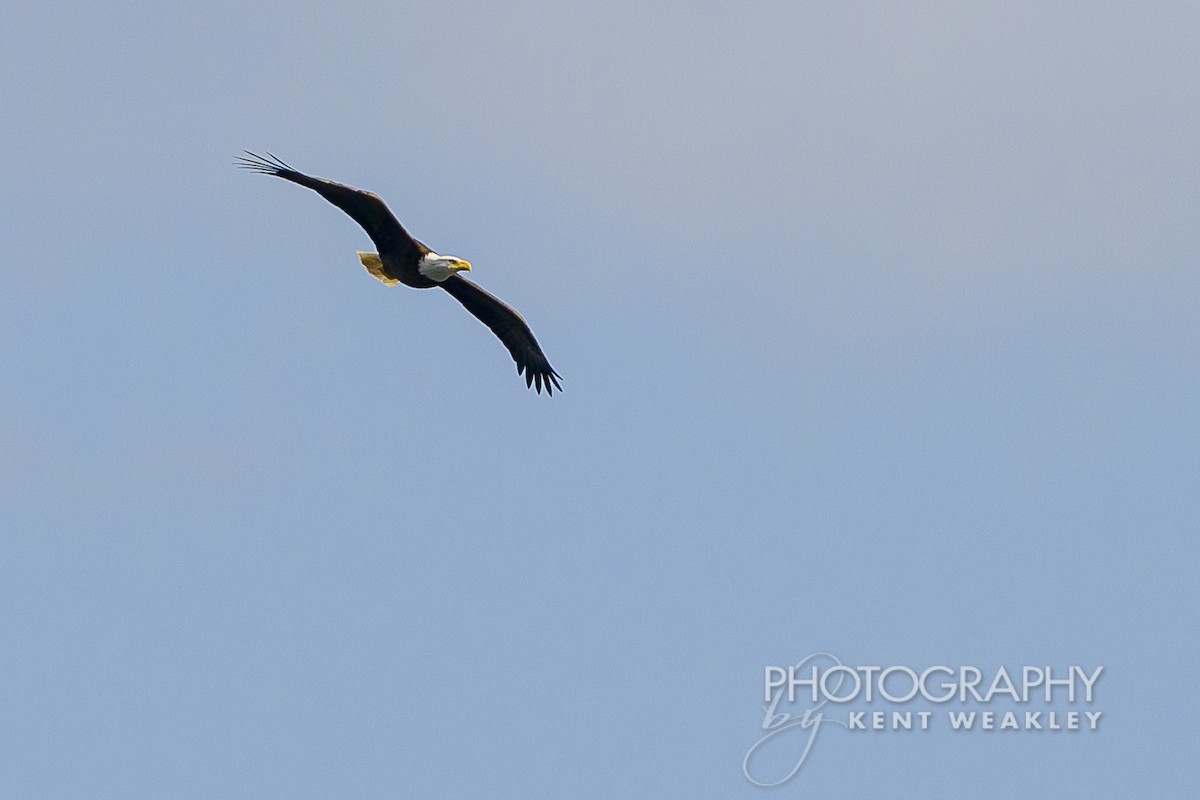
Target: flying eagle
(402, 259)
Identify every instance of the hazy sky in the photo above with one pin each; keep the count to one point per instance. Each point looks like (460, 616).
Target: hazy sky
(878, 334)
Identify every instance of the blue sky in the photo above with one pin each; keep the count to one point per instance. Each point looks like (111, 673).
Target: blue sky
(877, 325)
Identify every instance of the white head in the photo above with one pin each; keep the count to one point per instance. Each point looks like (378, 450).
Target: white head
(439, 268)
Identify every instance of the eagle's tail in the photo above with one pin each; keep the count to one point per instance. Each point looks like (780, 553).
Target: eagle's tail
(374, 265)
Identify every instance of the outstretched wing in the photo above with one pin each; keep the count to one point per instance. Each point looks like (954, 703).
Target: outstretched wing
(365, 208)
(507, 324)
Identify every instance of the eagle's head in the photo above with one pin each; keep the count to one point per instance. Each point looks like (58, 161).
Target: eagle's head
(439, 268)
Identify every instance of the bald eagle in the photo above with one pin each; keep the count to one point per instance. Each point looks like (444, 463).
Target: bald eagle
(402, 259)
